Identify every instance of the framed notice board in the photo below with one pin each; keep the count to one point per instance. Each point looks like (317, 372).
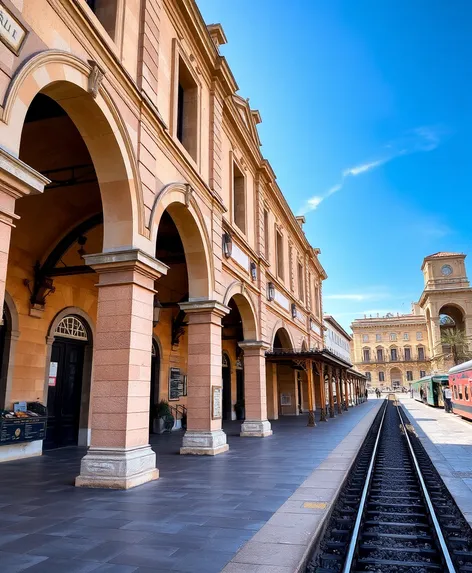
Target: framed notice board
(216, 402)
(177, 384)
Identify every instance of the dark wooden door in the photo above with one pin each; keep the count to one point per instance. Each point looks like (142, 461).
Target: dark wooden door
(155, 382)
(64, 397)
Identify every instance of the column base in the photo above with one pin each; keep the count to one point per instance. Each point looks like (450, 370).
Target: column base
(111, 468)
(311, 419)
(255, 429)
(209, 443)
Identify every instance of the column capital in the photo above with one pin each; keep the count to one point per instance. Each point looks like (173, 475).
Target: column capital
(255, 345)
(129, 260)
(204, 306)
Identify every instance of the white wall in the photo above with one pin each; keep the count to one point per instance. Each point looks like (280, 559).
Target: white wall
(337, 343)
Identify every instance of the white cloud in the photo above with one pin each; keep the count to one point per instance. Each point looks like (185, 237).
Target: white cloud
(419, 140)
(364, 167)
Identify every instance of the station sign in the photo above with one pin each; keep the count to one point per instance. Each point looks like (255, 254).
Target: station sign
(12, 32)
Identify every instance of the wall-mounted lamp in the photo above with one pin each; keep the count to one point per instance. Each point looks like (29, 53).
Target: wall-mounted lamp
(253, 271)
(227, 245)
(294, 310)
(270, 291)
(81, 242)
(156, 311)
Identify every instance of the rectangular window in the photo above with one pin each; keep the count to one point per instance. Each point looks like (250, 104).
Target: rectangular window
(279, 245)
(460, 392)
(380, 355)
(187, 110)
(407, 354)
(393, 353)
(419, 336)
(105, 11)
(368, 376)
(466, 392)
(420, 353)
(266, 234)
(317, 300)
(301, 290)
(393, 336)
(406, 336)
(239, 198)
(365, 338)
(366, 355)
(409, 375)
(381, 377)
(378, 338)
(422, 373)
(455, 391)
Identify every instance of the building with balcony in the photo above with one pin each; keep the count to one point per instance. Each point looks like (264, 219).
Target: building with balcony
(394, 350)
(148, 253)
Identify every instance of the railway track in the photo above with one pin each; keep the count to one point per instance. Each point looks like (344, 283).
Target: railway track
(394, 514)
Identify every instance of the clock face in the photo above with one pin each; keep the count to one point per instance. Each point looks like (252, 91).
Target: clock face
(446, 270)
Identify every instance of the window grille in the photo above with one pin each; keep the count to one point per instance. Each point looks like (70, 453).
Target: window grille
(71, 327)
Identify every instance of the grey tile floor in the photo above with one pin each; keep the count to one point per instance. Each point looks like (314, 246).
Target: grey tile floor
(194, 518)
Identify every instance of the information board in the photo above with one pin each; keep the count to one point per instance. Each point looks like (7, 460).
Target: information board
(177, 384)
(216, 402)
(22, 430)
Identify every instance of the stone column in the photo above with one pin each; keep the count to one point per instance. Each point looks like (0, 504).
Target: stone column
(120, 456)
(204, 435)
(346, 392)
(272, 391)
(330, 392)
(256, 423)
(339, 395)
(17, 180)
(311, 394)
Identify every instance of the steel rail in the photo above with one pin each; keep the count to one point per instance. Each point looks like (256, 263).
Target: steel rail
(437, 527)
(360, 513)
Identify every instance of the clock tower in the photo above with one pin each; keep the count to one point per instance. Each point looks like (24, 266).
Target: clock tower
(446, 299)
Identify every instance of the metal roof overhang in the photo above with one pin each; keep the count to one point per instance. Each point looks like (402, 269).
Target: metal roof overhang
(282, 356)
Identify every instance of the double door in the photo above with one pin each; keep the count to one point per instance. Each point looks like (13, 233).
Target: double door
(64, 393)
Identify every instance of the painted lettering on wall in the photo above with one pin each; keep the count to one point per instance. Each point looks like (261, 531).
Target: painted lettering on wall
(12, 33)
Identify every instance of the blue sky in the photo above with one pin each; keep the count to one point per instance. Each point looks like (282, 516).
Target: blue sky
(367, 121)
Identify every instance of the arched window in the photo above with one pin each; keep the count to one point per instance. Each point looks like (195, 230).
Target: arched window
(71, 327)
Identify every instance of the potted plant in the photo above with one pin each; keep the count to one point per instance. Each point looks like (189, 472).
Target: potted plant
(163, 419)
(239, 409)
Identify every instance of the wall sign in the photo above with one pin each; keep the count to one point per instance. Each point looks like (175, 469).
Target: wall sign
(177, 384)
(285, 399)
(216, 402)
(12, 33)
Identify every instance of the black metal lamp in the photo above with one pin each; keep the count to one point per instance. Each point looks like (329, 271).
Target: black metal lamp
(156, 311)
(294, 310)
(253, 271)
(270, 291)
(81, 242)
(227, 245)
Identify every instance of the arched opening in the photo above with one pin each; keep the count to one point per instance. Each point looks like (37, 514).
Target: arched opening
(454, 343)
(155, 380)
(8, 336)
(282, 340)
(396, 378)
(65, 401)
(287, 379)
(232, 334)
(226, 377)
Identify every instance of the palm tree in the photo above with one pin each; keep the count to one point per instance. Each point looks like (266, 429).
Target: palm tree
(456, 344)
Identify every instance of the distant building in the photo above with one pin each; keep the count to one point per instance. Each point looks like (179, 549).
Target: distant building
(336, 339)
(393, 350)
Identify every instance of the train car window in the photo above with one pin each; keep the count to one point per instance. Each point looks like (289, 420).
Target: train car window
(455, 391)
(460, 393)
(466, 393)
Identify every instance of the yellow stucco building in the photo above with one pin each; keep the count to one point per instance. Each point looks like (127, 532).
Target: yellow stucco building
(395, 350)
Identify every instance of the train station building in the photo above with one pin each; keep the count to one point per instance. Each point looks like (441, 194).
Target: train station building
(394, 350)
(147, 252)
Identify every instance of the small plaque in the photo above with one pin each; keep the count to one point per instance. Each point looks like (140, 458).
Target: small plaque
(216, 402)
(12, 33)
(53, 369)
(52, 381)
(177, 384)
(285, 399)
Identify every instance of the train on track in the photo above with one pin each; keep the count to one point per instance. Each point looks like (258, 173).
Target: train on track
(460, 382)
(429, 389)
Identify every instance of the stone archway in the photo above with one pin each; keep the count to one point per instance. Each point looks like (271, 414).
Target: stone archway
(177, 200)
(281, 337)
(396, 378)
(76, 86)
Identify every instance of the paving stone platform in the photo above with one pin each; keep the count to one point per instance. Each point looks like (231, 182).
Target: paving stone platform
(195, 518)
(448, 440)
